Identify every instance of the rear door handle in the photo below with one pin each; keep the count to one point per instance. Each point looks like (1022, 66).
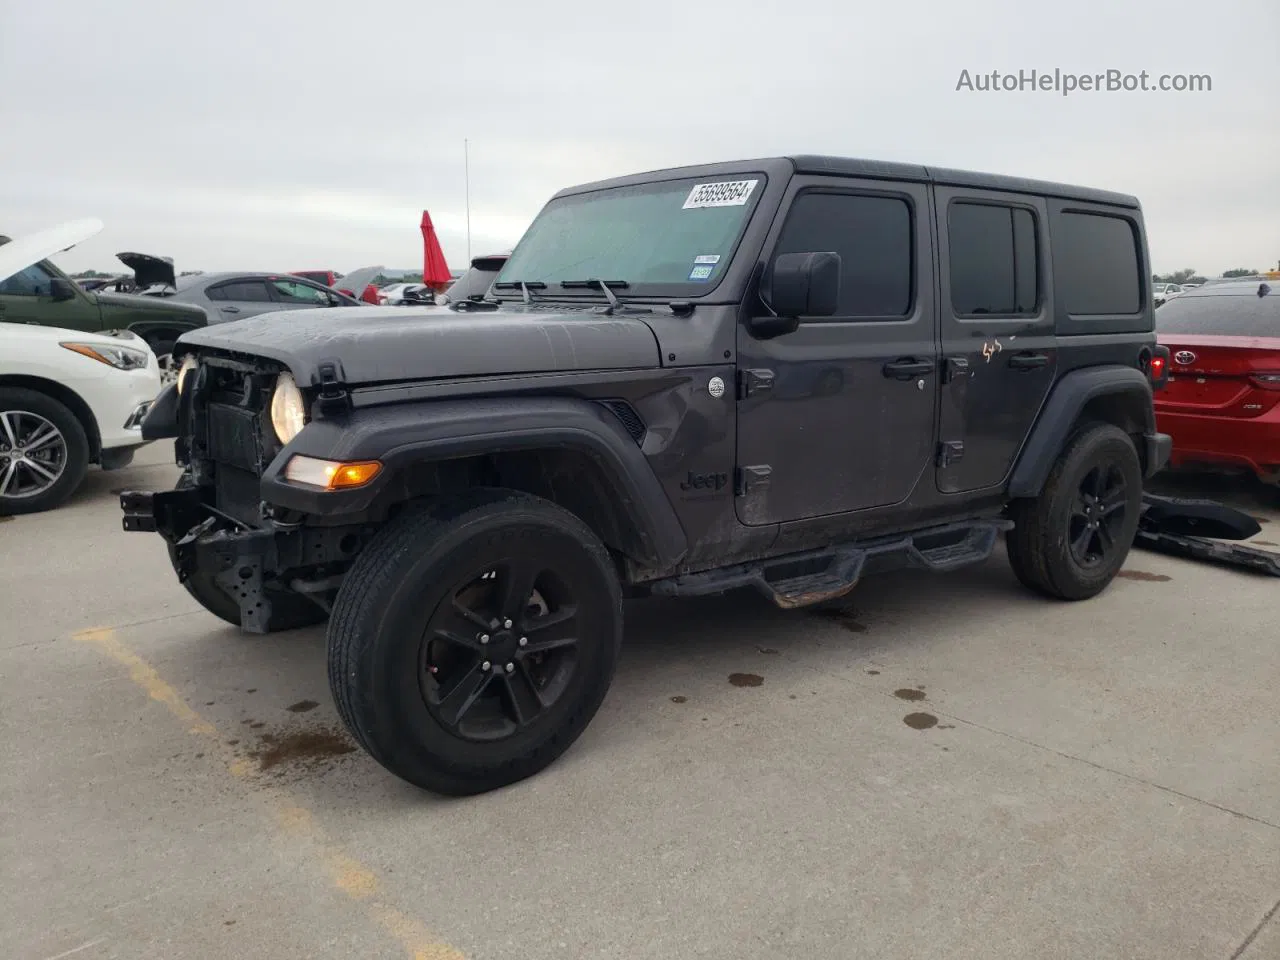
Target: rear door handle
(229, 309)
(908, 368)
(1028, 361)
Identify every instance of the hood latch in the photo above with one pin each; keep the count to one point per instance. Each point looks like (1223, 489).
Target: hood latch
(333, 398)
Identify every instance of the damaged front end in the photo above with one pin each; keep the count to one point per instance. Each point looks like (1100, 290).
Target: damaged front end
(221, 532)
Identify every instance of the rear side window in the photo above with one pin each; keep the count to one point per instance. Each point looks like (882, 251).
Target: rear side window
(1097, 260)
(254, 291)
(1236, 315)
(873, 236)
(994, 270)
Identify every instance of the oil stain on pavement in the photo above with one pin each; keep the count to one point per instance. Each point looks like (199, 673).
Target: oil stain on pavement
(920, 721)
(307, 748)
(1143, 575)
(302, 706)
(908, 694)
(746, 679)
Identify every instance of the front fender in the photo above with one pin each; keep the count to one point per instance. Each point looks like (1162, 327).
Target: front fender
(1075, 391)
(403, 434)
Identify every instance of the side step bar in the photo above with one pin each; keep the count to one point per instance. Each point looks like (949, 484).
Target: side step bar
(817, 576)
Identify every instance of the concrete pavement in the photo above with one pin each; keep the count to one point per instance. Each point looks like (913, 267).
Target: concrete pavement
(952, 768)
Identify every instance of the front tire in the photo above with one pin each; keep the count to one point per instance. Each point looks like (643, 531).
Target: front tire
(474, 639)
(1071, 541)
(44, 452)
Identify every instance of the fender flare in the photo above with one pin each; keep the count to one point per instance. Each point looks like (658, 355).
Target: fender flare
(402, 434)
(1062, 412)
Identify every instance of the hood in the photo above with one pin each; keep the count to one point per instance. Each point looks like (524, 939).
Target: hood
(17, 255)
(355, 281)
(148, 270)
(158, 305)
(35, 333)
(390, 344)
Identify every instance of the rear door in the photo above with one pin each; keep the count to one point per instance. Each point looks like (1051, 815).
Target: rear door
(999, 351)
(242, 297)
(840, 414)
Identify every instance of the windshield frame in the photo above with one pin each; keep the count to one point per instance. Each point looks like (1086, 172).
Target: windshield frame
(729, 283)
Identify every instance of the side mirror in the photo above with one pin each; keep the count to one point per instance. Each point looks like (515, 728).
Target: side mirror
(61, 289)
(798, 285)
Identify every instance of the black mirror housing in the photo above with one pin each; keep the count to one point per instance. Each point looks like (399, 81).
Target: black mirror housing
(798, 285)
(61, 289)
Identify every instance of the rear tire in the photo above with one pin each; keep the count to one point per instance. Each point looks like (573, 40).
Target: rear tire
(288, 610)
(1071, 541)
(40, 438)
(424, 671)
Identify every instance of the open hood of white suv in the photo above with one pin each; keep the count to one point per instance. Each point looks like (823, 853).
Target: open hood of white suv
(17, 255)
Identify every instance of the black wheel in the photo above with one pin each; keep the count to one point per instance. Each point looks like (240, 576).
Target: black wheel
(289, 611)
(1071, 541)
(44, 452)
(473, 640)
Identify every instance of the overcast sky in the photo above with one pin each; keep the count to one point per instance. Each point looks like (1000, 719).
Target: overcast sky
(280, 134)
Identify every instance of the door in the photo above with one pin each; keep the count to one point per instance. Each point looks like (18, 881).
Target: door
(840, 414)
(27, 297)
(244, 297)
(998, 345)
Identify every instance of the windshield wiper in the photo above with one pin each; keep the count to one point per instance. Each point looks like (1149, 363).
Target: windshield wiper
(603, 286)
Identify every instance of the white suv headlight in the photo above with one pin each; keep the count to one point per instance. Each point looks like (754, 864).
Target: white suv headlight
(288, 410)
(122, 358)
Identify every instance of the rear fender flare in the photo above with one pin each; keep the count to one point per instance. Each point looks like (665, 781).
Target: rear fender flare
(403, 434)
(1062, 412)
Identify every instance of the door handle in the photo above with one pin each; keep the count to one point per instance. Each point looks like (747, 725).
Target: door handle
(229, 309)
(1028, 361)
(907, 369)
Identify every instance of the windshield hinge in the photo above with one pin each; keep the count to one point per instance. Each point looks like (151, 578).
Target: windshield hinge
(332, 398)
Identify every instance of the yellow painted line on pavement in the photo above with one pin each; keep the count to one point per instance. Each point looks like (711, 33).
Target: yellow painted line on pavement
(348, 875)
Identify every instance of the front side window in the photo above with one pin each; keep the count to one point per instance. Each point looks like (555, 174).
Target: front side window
(291, 291)
(34, 281)
(994, 270)
(873, 237)
(673, 237)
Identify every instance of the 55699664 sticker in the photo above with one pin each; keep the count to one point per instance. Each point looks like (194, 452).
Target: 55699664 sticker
(726, 193)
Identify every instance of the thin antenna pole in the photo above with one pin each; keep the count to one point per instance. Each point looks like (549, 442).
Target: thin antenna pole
(466, 168)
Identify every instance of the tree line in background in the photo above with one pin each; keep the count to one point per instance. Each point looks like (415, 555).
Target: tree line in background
(380, 280)
(1189, 275)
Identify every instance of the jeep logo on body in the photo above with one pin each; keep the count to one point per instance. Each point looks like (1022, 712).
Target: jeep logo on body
(705, 481)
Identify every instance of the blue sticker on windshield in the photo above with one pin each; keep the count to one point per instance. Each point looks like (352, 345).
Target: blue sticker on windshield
(703, 266)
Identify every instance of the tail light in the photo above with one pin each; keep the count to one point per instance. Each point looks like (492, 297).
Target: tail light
(1265, 381)
(1158, 367)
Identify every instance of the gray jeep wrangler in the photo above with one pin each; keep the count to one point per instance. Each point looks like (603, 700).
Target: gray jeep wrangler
(782, 374)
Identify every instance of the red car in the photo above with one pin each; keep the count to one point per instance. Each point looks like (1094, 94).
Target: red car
(1222, 401)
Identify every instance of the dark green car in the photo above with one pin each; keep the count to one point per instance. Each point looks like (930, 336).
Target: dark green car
(44, 295)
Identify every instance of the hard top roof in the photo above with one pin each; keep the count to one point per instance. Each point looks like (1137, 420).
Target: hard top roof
(869, 169)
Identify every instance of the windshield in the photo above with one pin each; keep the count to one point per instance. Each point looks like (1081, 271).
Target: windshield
(1227, 315)
(674, 237)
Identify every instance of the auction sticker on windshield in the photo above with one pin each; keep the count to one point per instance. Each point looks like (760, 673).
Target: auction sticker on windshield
(727, 193)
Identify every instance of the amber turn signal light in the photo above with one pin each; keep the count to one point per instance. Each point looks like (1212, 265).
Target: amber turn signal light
(330, 474)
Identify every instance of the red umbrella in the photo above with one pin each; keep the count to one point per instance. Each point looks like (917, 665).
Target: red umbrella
(435, 272)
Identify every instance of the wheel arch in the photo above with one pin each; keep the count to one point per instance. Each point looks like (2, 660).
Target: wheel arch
(68, 398)
(573, 452)
(1112, 394)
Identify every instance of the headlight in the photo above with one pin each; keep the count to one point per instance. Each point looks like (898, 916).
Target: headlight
(288, 412)
(188, 365)
(122, 358)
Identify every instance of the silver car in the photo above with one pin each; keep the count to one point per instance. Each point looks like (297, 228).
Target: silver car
(232, 296)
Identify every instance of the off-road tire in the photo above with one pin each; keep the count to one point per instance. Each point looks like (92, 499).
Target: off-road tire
(74, 437)
(289, 611)
(1038, 547)
(391, 592)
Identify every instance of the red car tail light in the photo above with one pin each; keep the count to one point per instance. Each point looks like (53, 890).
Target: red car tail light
(1265, 381)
